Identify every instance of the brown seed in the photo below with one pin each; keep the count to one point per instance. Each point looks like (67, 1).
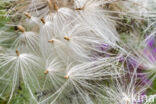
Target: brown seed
(66, 77)
(42, 20)
(50, 3)
(66, 38)
(27, 15)
(82, 8)
(79, 9)
(20, 28)
(17, 53)
(46, 72)
(56, 7)
(51, 41)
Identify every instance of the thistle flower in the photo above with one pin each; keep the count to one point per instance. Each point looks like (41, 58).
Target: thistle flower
(126, 89)
(31, 20)
(54, 71)
(92, 70)
(26, 40)
(61, 16)
(91, 12)
(17, 66)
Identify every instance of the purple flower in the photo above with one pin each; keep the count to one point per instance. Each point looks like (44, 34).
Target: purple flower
(150, 49)
(104, 47)
(104, 50)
